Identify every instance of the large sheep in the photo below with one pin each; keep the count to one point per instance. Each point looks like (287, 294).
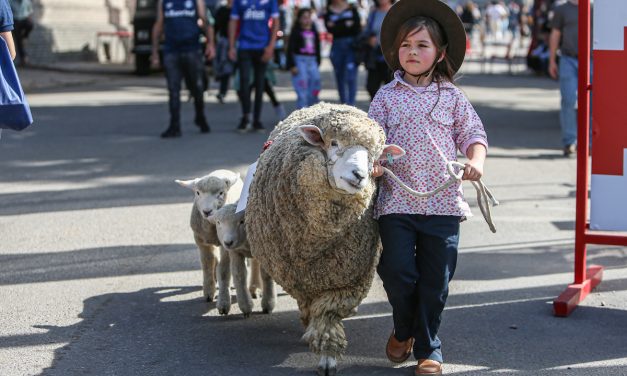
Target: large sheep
(309, 217)
(231, 232)
(211, 192)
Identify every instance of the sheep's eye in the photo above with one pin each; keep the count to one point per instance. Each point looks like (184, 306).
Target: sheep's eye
(334, 143)
(221, 193)
(217, 222)
(197, 193)
(241, 222)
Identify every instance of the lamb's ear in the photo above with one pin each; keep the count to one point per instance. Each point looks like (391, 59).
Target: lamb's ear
(312, 135)
(190, 184)
(232, 179)
(391, 151)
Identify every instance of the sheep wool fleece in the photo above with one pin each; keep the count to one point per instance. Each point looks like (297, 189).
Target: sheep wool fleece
(319, 243)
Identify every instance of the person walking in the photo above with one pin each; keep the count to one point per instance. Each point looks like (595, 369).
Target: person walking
(178, 21)
(6, 26)
(255, 48)
(342, 21)
(223, 67)
(303, 59)
(378, 71)
(423, 112)
(563, 37)
(23, 25)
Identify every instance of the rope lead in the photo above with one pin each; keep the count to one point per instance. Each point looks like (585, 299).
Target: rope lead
(484, 195)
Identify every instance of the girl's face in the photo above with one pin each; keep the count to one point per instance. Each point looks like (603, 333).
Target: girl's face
(417, 53)
(305, 21)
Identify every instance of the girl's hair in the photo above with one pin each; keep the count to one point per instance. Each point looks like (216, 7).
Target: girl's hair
(296, 23)
(444, 69)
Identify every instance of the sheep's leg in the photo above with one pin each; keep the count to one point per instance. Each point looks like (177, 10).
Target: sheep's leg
(255, 278)
(238, 270)
(303, 307)
(268, 299)
(224, 283)
(325, 332)
(208, 261)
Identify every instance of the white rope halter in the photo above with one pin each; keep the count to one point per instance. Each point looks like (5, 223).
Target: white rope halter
(483, 193)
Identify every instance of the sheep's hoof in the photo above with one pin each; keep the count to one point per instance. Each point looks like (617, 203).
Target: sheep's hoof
(327, 366)
(209, 299)
(266, 311)
(223, 311)
(254, 295)
(246, 315)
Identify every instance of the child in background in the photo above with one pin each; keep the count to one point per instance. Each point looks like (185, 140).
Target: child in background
(303, 59)
(423, 112)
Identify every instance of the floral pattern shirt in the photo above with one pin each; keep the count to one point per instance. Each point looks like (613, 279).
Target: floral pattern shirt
(430, 123)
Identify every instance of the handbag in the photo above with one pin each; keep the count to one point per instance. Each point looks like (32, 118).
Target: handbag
(14, 110)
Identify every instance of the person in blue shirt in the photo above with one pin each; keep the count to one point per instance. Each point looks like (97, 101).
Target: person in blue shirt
(182, 22)
(255, 47)
(6, 25)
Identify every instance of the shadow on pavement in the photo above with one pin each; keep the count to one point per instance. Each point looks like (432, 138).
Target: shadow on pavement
(97, 262)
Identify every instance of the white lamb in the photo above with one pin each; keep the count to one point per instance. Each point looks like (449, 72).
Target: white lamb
(211, 192)
(231, 231)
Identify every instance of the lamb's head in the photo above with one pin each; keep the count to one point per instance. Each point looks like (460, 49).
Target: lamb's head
(350, 142)
(210, 191)
(230, 227)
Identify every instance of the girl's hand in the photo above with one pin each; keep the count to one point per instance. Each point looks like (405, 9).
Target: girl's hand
(473, 171)
(377, 170)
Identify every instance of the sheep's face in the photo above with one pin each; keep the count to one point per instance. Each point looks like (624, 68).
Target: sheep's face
(209, 193)
(349, 166)
(230, 227)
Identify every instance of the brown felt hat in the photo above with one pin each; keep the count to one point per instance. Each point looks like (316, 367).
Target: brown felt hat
(403, 10)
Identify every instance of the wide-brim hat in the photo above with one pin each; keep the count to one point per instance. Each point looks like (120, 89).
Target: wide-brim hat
(403, 10)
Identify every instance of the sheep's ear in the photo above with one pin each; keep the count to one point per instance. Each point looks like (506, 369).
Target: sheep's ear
(232, 179)
(393, 151)
(190, 184)
(312, 134)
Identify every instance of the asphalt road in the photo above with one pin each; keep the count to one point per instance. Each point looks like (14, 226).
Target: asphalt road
(99, 274)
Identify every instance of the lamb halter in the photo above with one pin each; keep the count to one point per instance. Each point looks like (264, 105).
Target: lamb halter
(483, 193)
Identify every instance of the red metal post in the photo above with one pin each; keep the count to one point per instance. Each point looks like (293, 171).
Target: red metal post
(583, 121)
(585, 280)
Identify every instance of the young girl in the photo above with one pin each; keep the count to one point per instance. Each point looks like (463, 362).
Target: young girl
(422, 111)
(303, 59)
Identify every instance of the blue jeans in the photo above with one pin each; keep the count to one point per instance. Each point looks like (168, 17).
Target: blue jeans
(188, 65)
(345, 69)
(307, 81)
(418, 261)
(568, 78)
(250, 61)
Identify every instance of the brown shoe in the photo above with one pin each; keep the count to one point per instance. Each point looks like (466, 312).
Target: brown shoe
(428, 367)
(398, 351)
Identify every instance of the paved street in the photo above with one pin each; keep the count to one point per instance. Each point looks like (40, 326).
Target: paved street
(99, 274)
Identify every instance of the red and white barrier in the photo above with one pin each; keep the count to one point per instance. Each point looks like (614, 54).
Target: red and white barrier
(608, 200)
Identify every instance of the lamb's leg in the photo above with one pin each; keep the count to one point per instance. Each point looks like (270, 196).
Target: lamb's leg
(268, 299)
(255, 278)
(224, 283)
(325, 332)
(208, 262)
(238, 270)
